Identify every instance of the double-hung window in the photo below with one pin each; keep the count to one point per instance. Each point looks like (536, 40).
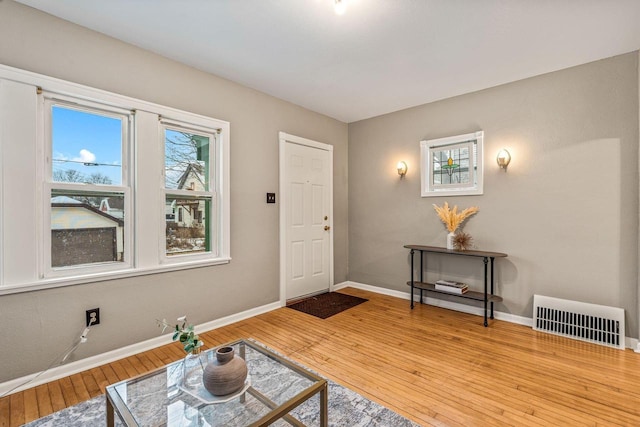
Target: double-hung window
(87, 187)
(190, 191)
(98, 186)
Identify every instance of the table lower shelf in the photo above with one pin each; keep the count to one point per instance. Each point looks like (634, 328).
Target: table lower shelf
(472, 295)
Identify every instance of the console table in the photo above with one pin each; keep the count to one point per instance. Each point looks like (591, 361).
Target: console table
(487, 296)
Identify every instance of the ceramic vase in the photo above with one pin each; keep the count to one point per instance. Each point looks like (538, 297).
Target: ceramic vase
(226, 374)
(450, 238)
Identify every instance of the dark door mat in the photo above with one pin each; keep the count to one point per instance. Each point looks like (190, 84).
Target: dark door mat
(327, 304)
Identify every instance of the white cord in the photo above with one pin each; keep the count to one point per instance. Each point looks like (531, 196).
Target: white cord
(63, 357)
(83, 337)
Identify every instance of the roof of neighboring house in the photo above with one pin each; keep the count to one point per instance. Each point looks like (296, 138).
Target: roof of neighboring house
(194, 169)
(65, 199)
(87, 206)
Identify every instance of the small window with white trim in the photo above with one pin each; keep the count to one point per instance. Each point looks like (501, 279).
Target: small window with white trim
(87, 188)
(452, 166)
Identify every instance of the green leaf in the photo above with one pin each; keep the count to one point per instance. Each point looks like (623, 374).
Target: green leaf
(175, 336)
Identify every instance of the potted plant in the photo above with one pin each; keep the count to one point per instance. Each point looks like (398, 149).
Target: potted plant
(184, 333)
(192, 365)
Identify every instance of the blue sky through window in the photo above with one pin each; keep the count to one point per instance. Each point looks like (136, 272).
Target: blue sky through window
(86, 147)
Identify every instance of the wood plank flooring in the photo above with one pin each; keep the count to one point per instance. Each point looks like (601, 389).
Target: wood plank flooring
(435, 366)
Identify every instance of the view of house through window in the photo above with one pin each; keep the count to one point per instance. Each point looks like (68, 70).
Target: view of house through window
(187, 188)
(86, 228)
(107, 185)
(87, 210)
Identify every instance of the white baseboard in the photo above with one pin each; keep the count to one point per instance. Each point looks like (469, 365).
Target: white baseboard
(370, 288)
(478, 311)
(631, 343)
(53, 374)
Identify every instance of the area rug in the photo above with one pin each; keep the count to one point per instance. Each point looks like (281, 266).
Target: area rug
(346, 408)
(327, 304)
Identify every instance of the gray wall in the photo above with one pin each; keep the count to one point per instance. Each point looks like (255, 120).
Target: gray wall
(37, 326)
(566, 212)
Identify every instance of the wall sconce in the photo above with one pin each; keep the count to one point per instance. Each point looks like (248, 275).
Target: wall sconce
(503, 159)
(402, 169)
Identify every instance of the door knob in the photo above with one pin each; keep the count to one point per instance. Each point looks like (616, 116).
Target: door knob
(327, 228)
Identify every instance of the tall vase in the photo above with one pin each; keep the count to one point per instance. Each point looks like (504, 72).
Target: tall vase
(192, 369)
(226, 374)
(450, 237)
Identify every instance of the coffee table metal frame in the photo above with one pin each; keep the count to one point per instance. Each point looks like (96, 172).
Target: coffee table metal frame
(116, 404)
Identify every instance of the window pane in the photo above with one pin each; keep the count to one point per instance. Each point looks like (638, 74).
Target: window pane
(186, 161)
(86, 147)
(451, 165)
(86, 228)
(188, 230)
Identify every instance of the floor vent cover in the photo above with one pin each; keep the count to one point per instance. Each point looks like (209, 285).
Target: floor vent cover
(580, 320)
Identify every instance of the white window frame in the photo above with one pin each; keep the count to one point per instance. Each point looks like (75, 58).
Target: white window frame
(24, 122)
(427, 150)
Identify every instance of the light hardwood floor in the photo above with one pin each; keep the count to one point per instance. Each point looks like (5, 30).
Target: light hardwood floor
(435, 366)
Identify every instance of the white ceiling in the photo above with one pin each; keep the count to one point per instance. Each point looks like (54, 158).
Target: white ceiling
(380, 56)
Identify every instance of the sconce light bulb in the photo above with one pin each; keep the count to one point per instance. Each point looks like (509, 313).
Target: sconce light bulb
(339, 7)
(503, 159)
(402, 168)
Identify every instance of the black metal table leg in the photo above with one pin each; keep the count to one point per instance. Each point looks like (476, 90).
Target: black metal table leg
(411, 278)
(492, 281)
(421, 276)
(486, 323)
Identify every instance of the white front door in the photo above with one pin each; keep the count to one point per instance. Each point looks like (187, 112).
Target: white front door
(305, 217)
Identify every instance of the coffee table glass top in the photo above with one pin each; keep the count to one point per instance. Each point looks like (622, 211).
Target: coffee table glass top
(276, 387)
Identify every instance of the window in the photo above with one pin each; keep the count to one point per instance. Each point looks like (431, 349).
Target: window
(87, 194)
(103, 186)
(189, 186)
(452, 166)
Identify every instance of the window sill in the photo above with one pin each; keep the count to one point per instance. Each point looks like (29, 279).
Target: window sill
(101, 277)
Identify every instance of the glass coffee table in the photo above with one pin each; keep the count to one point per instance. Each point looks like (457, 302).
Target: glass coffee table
(275, 386)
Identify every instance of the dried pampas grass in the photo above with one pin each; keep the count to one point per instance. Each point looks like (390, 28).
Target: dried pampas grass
(451, 218)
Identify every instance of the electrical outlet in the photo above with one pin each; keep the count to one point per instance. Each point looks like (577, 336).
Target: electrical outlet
(271, 197)
(94, 314)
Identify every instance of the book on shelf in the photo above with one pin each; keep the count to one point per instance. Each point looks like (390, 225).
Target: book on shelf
(452, 289)
(451, 283)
